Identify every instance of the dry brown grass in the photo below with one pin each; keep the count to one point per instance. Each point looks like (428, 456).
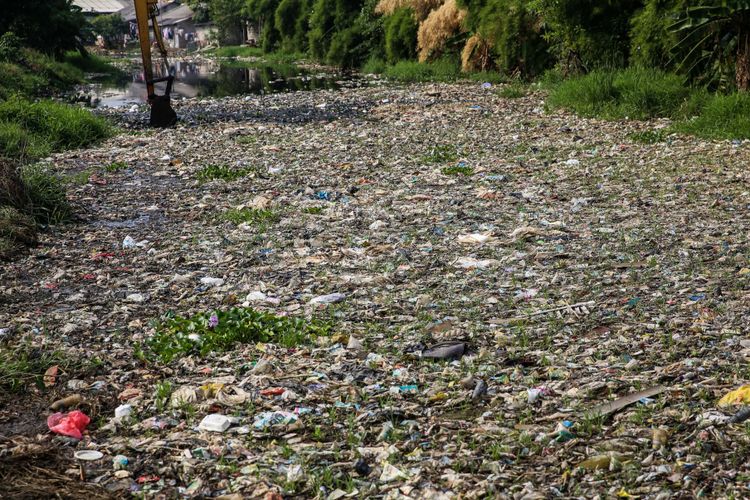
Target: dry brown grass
(476, 55)
(439, 26)
(421, 8)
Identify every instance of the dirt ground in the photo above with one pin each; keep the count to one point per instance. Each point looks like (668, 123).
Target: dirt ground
(578, 265)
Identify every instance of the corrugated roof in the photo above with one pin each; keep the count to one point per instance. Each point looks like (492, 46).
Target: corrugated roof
(99, 6)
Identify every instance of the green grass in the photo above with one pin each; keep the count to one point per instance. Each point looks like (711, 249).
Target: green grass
(634, 93)
(638, 93)
(254, 216)
(649, 136)
(47, 201)
(116, 166)
(24, 365)
(238, 51)
(512, 91)
(271, 57)
(441, 153)
(221, 172)
(413, 71)
(36, 129)
(177, 336)
(721, 117)
(458, 170)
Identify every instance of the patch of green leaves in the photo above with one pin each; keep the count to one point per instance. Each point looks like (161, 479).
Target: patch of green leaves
(649, 136)
(253, 216)
(178, 336)
(116, 166)
(441, 153)
(24, 364)
(458, 170)
(221, 172)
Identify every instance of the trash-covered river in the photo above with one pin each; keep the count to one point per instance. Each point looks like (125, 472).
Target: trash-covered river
(228, 78)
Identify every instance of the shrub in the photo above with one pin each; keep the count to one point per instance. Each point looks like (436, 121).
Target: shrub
(506, 35)
(586, 35)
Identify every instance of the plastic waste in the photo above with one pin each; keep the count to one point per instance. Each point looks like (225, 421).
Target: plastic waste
(128, 243)
(88, 455)
(123, 411)
(480, 390)
(68, 424)
(66, 402)
(215, 423)
(331, 298)
(120, 462)
(445, 350)
(738, 396)
(271, 418)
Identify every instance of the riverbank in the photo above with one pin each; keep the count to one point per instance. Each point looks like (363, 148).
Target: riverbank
(577, 264)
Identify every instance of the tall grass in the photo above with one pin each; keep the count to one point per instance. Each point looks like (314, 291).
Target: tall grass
(413, 71)
(630, 93)
(721, 117)
(35, 129)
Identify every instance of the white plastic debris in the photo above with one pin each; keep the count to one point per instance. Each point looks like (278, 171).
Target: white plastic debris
(208, 281)
(331, 298)
(123, 411)
(128, 243)
(215, 423)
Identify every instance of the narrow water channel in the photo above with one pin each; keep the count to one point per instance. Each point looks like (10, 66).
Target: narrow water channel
(228, 78)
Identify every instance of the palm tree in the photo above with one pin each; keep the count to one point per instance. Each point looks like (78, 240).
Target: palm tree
(716, 35)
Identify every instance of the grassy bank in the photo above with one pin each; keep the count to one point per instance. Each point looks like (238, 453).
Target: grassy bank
(255, 52)
(642, 94)
(32, 128)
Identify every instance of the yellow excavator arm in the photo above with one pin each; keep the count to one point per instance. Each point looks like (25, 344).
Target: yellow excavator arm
(162, 114)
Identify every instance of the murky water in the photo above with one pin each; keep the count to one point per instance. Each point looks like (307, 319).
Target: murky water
(220, 80)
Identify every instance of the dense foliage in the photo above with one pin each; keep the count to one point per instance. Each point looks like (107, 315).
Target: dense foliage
(49, 26)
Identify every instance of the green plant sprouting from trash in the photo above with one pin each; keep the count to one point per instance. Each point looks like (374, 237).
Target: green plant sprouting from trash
(221, 172)
(212, 331)
(443, 153)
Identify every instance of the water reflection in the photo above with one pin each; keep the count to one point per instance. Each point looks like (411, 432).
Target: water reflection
(203, 79)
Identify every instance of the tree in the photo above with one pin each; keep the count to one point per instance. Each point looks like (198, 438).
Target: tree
(400, 35)
(510, 32)
(263, 12)
(49, 26)
(586, 34)
(227, 15)
(111, 27)
(717, 36)
(291, 20)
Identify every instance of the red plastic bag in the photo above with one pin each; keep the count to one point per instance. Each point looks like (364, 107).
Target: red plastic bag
(68, 424)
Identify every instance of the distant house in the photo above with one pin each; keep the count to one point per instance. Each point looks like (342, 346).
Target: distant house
(179, 29)
(99, 7)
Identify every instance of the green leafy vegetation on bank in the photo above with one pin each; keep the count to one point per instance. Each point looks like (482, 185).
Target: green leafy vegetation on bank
(638, 93)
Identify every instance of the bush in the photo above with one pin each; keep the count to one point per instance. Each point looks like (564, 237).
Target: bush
(111, 27)
(10, 47)
(635, 93)
(400, 35)
(374, 66)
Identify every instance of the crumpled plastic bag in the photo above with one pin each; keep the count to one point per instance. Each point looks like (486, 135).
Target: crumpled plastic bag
(68, 424)
(738, 396)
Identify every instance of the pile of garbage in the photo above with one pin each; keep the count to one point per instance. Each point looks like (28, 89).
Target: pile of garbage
(434, 292)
